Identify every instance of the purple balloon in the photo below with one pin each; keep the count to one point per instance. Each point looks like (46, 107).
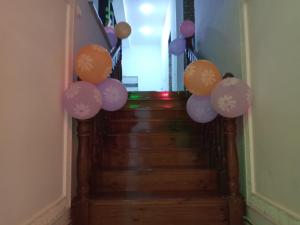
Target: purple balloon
(199, 108)
(187, 28)
(109, 29)
(112, 39)
(114, 94)
(231, 97)
(82, 100)
(177, 46)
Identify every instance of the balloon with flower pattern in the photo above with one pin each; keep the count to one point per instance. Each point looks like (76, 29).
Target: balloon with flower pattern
(199, 109)
(201, 76)
(114, 94)
(93, 64)
(231, 98)
(82, 100)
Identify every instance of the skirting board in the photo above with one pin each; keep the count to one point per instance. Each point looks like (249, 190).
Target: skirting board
(55, 214)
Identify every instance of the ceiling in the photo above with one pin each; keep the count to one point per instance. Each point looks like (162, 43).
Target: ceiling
(147, 20)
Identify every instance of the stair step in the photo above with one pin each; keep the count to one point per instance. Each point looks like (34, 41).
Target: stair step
(157, 104)
(155, 125)
(145, 158)
(165, 95)
(167, 209)
(154, 140)
(170, 114)
(159, 179)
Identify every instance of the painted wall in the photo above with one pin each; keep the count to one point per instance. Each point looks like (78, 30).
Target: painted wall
(87, 29)
(272, 38)
(34, 134)
(218, 25)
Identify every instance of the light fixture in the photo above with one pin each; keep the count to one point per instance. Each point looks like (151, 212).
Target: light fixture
(146, 30)
(147, 8)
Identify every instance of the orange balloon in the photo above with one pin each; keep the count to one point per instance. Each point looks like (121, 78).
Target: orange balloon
(123, 30)
(201, 76)
(93, 64)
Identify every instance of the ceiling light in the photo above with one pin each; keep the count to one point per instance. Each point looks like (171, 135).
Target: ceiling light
(145, 30)
(147, 8)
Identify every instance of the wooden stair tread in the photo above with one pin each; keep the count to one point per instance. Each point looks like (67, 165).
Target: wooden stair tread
(191, 196)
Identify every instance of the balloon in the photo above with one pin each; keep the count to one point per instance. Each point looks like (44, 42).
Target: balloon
(187, 28)
(177, 46)
(110, 32)
(109, 29)
(93, 64)
(231, 97)
(201, 76)
(112, 38)
(82, 100)
(114, 94)
(199, 108)
(122, 30)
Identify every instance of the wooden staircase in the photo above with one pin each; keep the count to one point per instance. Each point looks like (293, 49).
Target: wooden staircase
(150, 164)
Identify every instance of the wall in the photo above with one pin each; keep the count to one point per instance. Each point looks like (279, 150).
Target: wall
(87, 30)
(218, 33)
(142, 61)
(272, 138)
(35, 132)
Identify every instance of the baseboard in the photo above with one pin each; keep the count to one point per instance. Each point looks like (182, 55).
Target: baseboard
(55, 214)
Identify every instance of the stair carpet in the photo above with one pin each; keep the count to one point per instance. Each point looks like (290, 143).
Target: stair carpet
(153, 170)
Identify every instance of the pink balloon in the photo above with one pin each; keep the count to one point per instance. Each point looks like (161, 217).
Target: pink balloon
(114, 94)
(82, 100)
(199, 108)
(187, 28)
(231, 97)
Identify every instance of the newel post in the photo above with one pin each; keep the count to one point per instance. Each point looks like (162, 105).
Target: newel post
(84, 130)
(235, 200)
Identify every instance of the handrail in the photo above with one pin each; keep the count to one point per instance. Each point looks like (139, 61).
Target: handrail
(100, 23)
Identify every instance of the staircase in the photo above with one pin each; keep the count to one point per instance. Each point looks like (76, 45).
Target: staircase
(151, 165)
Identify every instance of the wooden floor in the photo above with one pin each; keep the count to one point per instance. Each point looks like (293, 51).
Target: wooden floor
(152, 169)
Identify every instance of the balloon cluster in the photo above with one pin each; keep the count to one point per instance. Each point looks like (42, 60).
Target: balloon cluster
(93, 65)
(177, 46)
(230, 97)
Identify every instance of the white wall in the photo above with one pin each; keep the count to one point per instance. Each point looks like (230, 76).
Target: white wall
(34, 135)
(218, 25)
(145, 61)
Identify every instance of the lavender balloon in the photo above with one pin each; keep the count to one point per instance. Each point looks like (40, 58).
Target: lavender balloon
(177, 46)
(114, 94)
(109, 29)
(231, 97)
(200, 109)
(82, 100)
(187, 28)
(110, 32)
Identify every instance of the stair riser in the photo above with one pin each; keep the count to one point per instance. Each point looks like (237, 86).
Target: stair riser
(164, 214)
(155, 104)
(152, 141)
(144, 126)
(153, 158)
(157, 180)
(150, 114)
